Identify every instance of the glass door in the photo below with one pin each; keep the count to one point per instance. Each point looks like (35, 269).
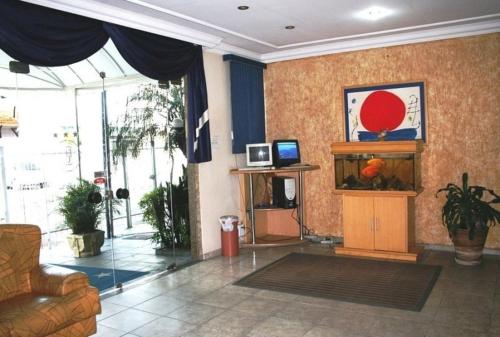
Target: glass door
(61, 143)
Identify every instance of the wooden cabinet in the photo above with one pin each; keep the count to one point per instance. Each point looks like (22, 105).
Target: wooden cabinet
(378, 226)
(375, 223)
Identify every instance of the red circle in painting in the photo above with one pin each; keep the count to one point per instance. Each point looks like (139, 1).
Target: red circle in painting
(382, 110)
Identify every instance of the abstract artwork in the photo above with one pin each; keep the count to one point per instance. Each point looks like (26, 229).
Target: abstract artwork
(385, 112)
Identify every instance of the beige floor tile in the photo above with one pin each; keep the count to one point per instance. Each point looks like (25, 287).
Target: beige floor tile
(278, 327)
(128, 320)
(329, 332)
(396, 327)
(207, 332)
(162, 305)
(276, 295)
(231, 321)
(189, 292)
(196, 313)
(164, 327)
(476, 321)
(109, 309)
(438, 330)
(104, 331)
(131, 297)
(223, 298)
(349, 322)
(262, 306)
(300, 312)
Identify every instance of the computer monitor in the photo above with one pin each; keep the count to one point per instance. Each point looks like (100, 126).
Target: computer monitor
(286, 152)
(259, 154)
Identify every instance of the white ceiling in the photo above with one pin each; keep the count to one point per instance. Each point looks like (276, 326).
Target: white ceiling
(322, 26)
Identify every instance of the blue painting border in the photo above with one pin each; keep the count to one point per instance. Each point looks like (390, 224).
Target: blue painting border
(383, 87)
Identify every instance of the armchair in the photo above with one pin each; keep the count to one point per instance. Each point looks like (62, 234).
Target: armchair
(41, 300)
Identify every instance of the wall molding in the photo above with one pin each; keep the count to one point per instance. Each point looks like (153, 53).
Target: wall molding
(214, 43)
(433, 34)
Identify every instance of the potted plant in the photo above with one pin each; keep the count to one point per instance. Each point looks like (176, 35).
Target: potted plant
(468, 218)
(155, 206)
(82, 217)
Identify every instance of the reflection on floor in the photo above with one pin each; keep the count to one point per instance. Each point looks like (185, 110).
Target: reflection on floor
(200, 300)
(129, 254)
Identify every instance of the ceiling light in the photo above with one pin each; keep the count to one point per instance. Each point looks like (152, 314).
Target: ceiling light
(243, 8)
(374, 13)
(290, 27)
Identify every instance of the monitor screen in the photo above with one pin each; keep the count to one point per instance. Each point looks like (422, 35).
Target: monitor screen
(288, 150)
(259, 154)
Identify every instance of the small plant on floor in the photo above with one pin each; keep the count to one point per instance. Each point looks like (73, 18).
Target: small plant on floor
(80, 215)
(468, 217)
(156, 212)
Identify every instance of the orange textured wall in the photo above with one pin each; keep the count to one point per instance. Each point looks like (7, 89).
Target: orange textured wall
(462, 78)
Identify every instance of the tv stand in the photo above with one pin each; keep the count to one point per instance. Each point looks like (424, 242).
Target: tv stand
(248, 173)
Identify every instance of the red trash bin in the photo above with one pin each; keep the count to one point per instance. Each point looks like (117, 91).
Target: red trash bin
(230, 244)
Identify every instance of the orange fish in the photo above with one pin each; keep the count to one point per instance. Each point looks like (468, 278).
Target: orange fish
(370, 171)
(378, 162)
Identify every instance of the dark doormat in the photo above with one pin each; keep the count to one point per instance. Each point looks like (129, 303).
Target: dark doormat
(381, 283)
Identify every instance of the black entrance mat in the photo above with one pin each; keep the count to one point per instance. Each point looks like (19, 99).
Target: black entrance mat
(381, 283)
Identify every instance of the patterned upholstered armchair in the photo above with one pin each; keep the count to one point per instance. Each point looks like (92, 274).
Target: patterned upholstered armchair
(41, 300)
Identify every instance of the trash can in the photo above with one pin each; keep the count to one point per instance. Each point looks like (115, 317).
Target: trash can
(229, 235)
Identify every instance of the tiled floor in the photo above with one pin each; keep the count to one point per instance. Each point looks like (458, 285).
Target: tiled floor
(200, 300)
(123, 253)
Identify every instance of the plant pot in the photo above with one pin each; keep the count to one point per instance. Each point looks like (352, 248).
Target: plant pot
(87, 244)
(469, 252)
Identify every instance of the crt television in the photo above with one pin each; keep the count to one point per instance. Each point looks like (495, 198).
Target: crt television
(259, 154)
(286, 152)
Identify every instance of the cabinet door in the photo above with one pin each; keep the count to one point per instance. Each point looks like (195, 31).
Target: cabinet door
(358, 222)
(391, 230)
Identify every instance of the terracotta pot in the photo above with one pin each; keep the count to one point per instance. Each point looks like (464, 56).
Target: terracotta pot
(469, 252)
(88, 244)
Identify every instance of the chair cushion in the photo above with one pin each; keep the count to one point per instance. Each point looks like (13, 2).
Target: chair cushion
(37, 315)
(19, 254)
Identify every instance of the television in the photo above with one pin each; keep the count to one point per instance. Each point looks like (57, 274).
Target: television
(286, 152)
(259, 154)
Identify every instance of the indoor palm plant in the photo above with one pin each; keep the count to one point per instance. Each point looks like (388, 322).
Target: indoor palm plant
(155, 206)
(82, 217)
(468, 218)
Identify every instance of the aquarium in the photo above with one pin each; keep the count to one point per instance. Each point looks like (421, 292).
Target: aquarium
(368, 167)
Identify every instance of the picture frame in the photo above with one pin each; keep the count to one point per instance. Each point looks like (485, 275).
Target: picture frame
(390, 112)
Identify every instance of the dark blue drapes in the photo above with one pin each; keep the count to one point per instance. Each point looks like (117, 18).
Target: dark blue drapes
(47, 37)
(247, 102)
(199, 148)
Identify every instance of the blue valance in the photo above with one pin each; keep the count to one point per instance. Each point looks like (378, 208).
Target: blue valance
(46, 37)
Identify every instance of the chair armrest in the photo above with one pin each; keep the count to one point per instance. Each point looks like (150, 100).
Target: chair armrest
(57, 281)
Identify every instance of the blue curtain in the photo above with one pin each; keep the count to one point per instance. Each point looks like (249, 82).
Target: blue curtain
(199, 149)
(47, 37)
(247, 102)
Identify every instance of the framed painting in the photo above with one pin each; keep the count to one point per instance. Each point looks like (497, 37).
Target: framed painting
(385, 112)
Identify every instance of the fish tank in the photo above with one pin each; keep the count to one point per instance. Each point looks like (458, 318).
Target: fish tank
(377, 166)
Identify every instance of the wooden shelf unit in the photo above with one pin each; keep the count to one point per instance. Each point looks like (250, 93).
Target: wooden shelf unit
(379, 223)
(272, 226)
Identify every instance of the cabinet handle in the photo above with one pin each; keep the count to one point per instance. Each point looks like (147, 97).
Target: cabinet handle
(376, 224)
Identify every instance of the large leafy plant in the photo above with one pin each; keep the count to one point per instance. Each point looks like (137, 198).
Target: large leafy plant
(156, 211)
(465, 208)
(80, 215)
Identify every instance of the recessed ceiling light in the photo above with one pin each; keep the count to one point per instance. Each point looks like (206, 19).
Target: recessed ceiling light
(374, 13)
(289, 27)
(243, 8)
